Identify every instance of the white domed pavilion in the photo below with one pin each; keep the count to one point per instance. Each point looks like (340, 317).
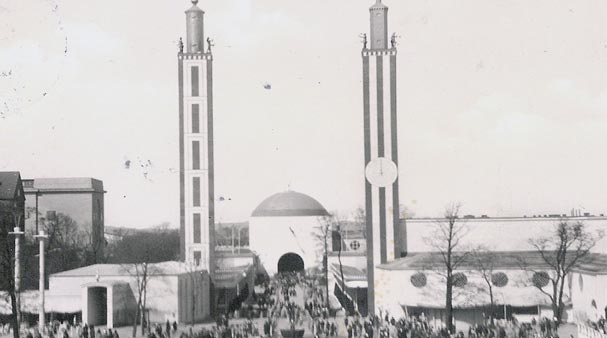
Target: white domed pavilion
(281, 231)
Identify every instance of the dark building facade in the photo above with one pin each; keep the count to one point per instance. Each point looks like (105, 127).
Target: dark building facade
(12, 200)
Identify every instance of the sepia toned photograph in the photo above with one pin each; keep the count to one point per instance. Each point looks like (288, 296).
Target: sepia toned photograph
(303, 169)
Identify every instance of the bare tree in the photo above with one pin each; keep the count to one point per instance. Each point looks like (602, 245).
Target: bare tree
(360, 221)
(10, 214)
(92, 247)
(136, 253)
(484, 263)
(446, 239)
(66, 243)
(561, 251)
(322, 235)
(141, 272)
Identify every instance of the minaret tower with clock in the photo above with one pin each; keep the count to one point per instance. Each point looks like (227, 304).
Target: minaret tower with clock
(381, 147)
(196, 175)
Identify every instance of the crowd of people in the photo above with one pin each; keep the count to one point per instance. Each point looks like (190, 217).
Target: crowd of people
(295, 301)
(600, 325)
(64, 329)
(418, 327)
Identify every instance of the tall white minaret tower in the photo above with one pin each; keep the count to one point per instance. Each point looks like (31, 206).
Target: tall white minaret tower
(381, 148)
(196, 175)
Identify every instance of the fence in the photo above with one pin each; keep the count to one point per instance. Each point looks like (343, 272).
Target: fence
(585, 331)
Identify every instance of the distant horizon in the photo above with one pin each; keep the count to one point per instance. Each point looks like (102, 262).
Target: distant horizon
(421, 218)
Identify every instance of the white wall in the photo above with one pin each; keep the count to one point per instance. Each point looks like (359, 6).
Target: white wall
(394, 289)
(271, 237)
(161, 299)
(586, 288)
(499, 234)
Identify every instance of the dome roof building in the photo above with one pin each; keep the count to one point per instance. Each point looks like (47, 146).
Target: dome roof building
(281, 231)
(291, 204)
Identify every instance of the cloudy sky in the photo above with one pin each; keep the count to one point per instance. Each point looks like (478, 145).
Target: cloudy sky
(502, 104)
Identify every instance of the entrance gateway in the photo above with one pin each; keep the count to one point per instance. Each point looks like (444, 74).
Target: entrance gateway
(290, 262)
(107, 303)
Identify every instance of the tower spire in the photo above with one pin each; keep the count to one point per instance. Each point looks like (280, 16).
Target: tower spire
(194, 29)
(379, 25)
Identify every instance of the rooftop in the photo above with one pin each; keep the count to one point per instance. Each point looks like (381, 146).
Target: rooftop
(163, 269)
(63, 184)
(290, 204)
(594, 263)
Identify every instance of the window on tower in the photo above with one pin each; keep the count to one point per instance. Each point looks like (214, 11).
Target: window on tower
(195, 155)
(196, 191)
(197, 257)
(195, 118)
(196, 228)
(194, 81)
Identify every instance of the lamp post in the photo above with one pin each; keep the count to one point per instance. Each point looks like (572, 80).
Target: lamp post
(41, 320)
(17, 233)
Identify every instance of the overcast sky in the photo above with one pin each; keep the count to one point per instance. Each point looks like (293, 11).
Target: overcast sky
(502, 104)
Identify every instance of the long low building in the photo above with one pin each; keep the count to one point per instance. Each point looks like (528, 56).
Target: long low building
(415, 284)
(106, 294)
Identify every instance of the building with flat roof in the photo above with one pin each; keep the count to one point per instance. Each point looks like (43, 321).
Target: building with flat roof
(80, 198)
(415, 284)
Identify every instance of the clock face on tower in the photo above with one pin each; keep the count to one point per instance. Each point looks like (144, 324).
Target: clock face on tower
(381, 172)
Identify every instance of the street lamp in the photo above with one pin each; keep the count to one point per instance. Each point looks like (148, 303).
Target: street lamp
(41, 320)
(17, 233)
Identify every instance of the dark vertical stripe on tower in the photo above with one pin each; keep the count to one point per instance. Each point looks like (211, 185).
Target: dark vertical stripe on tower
(211, 166)
(383, 249)
(368, 191)
(400, 234)
(181, 164)
(379, 73)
